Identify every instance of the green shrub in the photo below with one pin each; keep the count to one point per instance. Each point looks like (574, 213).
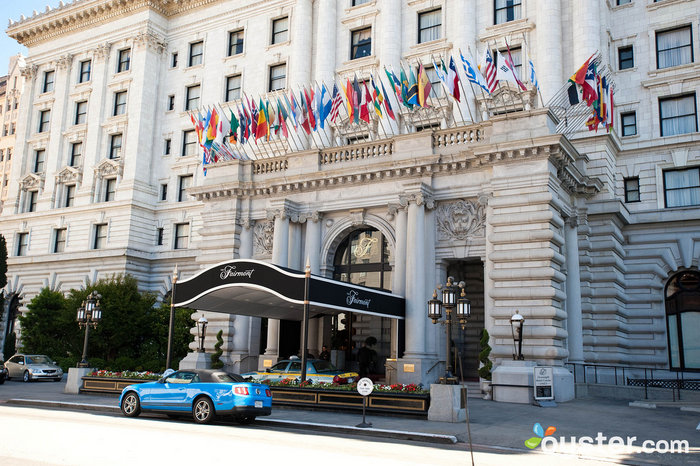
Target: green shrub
(124, 363)
(485, 351)
(216, 362)
(96, 362)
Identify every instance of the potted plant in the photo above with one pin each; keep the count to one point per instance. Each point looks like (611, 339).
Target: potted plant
(216, 362)
(485, 364)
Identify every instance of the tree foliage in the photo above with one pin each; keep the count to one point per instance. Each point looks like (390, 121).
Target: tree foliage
(485, 351)
(216, 362)
(3, 262)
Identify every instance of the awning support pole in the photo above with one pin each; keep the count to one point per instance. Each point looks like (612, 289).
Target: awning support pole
(305, 320)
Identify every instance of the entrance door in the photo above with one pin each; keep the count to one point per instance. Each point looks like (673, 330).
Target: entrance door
(290, 338)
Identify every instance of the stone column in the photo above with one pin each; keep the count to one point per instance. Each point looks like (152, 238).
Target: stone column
(399, 273)
(301, 45)
(586, 30)
(93, 147)
(312, 249)
(245, 239)
(241, 359)
(548, 61)
(280, 256)
(574, 322)
(461, 21)
(389, 49)
(25, 130)
(431, 331)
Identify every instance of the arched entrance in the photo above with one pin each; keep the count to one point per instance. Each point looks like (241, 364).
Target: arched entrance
(683, 321)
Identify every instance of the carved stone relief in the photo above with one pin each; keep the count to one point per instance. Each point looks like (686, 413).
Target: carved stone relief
(263, 233)
(460, 220)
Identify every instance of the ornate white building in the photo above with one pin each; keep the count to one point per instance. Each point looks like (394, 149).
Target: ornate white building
(10, 93)
(582, 235)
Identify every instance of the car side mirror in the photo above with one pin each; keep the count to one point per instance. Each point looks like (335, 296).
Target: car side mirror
(268, 370)
(21, 363)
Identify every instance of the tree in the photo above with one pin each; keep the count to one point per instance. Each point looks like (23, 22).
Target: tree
(3, 262)
(485, 369)
(48, 327)
(216, 362)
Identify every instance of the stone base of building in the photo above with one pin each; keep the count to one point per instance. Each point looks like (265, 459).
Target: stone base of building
(75, 379)
(446, 403)
(267, 360)
(196, 360)
(238, 363)
(414, 370)
(512, 382)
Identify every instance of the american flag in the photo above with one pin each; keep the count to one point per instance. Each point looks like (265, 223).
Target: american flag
(488, 69)
(335, 103)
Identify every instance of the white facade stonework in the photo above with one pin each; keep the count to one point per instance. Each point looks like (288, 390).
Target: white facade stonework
(530, 219)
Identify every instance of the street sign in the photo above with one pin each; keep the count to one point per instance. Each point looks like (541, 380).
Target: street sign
(544, 382)
(365, 386)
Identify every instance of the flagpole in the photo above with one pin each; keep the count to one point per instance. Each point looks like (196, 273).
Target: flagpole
(311, 130)
(323, 88)
(378, 116)
(441, 108)
(466, 101)
(295, 124)
(484, 96)
(424, 123)
(400, 107)
(445, 87)
(459, 83)
(283, 109)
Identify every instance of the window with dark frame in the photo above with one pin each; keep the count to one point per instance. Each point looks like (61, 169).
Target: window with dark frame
(278, 77)
(59, 240)
(196, 53)
(84, 71)
(682, 187)
(48, 81)
(192, 94)
(629, 123)
(44, 116)
(33, 197)
(280, 30)
(436, 89)
(623, 2)
(39, 160)
(119, 103)
(359, 2)
(517, 55)
(166, 149)
(506, 10)
(164, 192)
(678, 115)
(182, 236)
(674, 47)
(13, 127)
(235, 42)
(189, 142)
(70, 196)
(429, 25)
(159, 236)
(233, 87)
(124, 60)
(632, 189)
(80, 112)
(171, 102)
(100, 239)
(683, 321)
(76, 154)
(173, 60)
(625, 57)
(184, 182)
(22, 244)
(115, 146)
(110, 189)
(361, 43)
(364, 258)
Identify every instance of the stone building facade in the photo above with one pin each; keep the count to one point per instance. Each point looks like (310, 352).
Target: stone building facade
(10, 93)
(580, 234)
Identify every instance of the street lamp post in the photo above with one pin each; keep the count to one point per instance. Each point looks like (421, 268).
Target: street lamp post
(516, 327)
(201, 330)
(450, 302)
(89, 314)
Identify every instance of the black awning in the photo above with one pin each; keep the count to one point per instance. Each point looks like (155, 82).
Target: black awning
(255, 288)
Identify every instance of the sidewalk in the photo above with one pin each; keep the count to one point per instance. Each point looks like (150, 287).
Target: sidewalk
(494, 426)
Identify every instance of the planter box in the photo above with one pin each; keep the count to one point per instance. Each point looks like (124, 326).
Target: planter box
(107, 384)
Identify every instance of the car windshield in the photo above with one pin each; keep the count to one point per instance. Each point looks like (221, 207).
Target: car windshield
(324, 366)
(38, 359)
(222, 377)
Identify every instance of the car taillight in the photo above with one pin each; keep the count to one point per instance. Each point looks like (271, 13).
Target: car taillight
(268, 392)
(240, 390)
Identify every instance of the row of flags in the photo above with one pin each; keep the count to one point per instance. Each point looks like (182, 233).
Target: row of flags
(223, 134)
(595, 90)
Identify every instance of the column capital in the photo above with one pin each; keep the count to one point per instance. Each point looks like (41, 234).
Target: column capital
(572, 221)
(420, 199)
(313, 216)
(101, 52)
(149, 39)
(64, 62)
(245, 222)
(29, 71)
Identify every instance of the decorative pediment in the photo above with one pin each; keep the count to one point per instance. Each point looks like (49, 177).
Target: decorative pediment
(507, 98)
(460, 220)
(347, 128)
(69, 175)
(32, 181)
(109, 167)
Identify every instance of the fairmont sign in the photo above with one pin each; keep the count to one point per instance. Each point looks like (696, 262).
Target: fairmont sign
(230, 271)
(352, 298)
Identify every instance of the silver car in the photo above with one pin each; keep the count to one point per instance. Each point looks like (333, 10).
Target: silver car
(33, 367)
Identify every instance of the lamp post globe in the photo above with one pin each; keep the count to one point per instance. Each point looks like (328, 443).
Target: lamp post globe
(89, 315)
(449, 302)
(516, 325)
(201, 330)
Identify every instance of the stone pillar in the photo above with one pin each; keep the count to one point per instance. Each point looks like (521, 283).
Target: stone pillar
(280, 256)
(574, 323)
(389, 50)
(461, 21)
(548, 61)
(399, 272)
(301, 45)
(25, 130)
(245, 239)
(312, 248)
(240, 357)
(93, 146)
(587, 30)
(431, 331)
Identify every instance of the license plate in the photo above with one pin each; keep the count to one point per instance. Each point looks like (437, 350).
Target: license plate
(258, 404)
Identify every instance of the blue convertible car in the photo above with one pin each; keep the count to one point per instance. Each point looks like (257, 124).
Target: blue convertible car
(203, 393)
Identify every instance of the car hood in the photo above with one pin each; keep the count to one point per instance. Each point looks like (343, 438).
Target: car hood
(43, 367)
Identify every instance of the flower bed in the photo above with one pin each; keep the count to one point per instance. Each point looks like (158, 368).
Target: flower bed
(145, 375)
(114, 381)
(351, 387)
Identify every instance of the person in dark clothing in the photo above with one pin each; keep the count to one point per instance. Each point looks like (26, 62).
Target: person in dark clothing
(364, 358)
(325, 354)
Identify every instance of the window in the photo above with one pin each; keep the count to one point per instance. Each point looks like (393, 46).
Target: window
(361, 43)
(683, 320)
(184, 182)
(39, 160)
(629, 123)
(674, 47)
(100, 239)
(196, 53)
(22, 244)
(80, 112)
(516, 54)
(235, 42)
(48, 81)
(5, 130)
(632, 189)
(70, 196)
(623, 2)
(2, 155)
(44, 116)
(13, 127)
(182, 235)
(76, 154)
(278, 77)
(173, 60)
(124, 60)
(171, 102)
(436, 89)
(115, 146)
(364, 258)
(359, 2)
(9, 153)
(678, 115)
(507, 10)
(429, 25)
(159, 236)
(233, 87)
(166, 149)
(192, 94)
(164, 192)
(32, 198)
(682, 187)
(626, 57)
(59, 240)
(189, 142)
(84, 72)
(280, 29)
(110, 189)
(119, 103)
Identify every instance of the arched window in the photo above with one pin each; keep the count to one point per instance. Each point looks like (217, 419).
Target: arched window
(683, 321)
(363, 258)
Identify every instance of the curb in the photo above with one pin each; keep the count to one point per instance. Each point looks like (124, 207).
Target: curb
(385, 433)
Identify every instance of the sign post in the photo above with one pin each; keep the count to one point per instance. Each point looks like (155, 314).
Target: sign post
(364, 388)
(543, 378)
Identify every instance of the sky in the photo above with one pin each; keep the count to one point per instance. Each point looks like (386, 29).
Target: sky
(13, 9)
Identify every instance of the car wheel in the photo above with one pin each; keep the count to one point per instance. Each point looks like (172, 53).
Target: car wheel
(57, 379)
(131, 406)
(245, 420)
(27, 377)
(202, 410)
